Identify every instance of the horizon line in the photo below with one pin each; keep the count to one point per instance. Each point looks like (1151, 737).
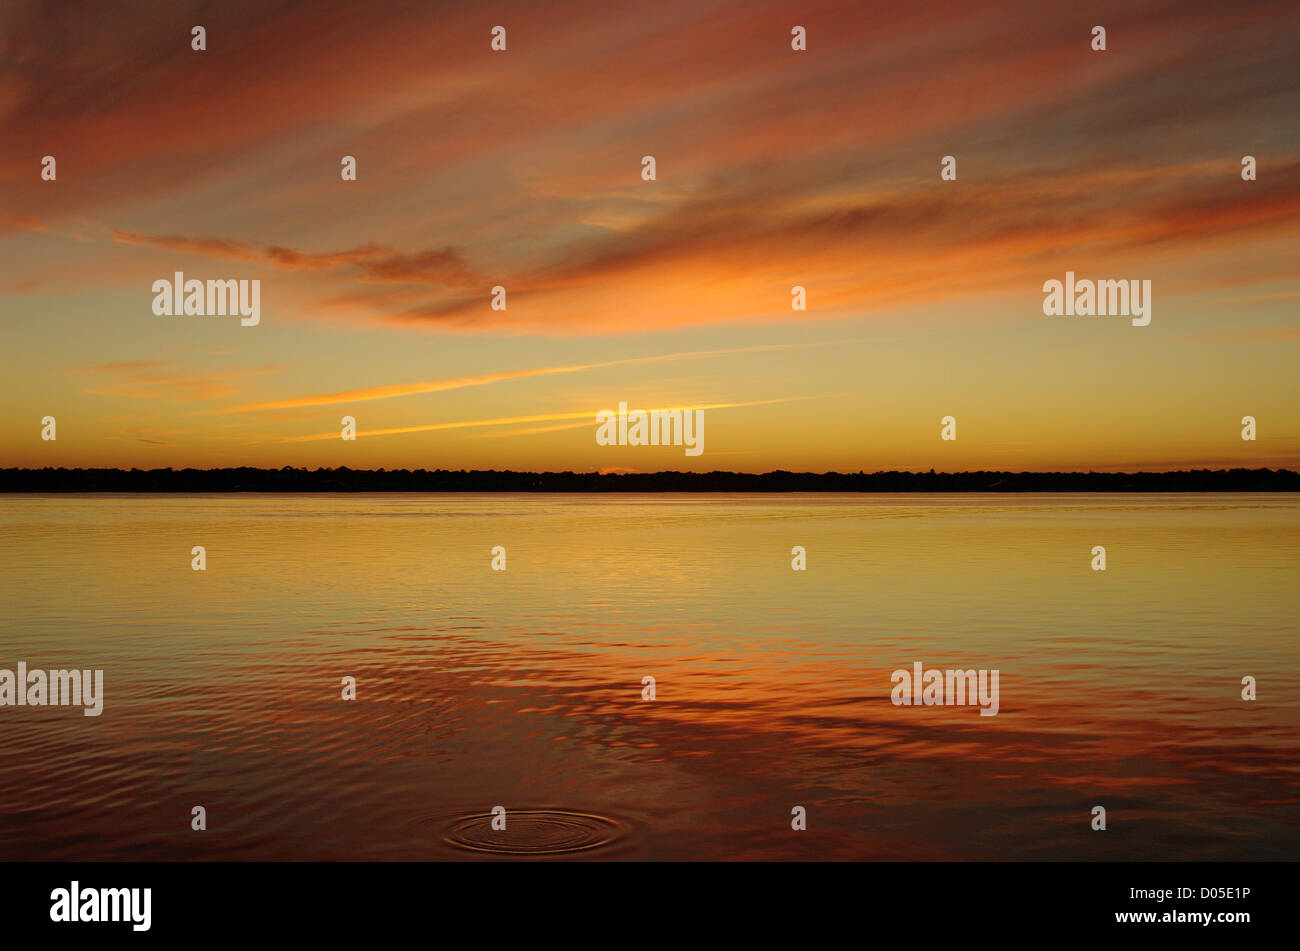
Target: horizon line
(343, 479)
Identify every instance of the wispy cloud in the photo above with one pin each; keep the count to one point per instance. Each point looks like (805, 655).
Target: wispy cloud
(589, 416)
(390, 391)
(154, 379)
(370, 262)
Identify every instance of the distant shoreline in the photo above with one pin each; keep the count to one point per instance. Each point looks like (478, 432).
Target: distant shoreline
(442, 480)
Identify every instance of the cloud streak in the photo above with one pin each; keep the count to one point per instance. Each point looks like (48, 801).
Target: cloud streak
(508, 420)
(391, 391)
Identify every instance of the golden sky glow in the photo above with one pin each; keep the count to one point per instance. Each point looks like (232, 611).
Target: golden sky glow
(774, 168)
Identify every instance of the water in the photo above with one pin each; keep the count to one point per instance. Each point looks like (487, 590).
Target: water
(522, 688)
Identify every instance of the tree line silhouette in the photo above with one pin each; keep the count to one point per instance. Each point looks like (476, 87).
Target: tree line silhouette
(344, 479)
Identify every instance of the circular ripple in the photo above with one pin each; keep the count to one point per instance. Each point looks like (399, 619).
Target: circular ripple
(533, 832)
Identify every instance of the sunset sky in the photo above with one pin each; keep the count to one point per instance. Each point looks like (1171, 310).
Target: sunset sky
(774, 168)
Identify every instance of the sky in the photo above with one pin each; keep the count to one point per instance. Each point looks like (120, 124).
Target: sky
(774, 167)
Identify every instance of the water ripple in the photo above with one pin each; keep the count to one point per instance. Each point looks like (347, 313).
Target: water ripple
(534, 832)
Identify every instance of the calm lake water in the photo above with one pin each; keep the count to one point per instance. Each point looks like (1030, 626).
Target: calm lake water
(523, 688)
